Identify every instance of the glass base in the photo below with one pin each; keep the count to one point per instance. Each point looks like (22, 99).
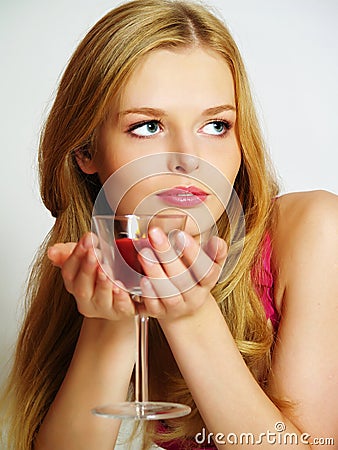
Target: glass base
(142, 410)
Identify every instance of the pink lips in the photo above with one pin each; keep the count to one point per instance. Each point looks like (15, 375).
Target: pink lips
(183, 196)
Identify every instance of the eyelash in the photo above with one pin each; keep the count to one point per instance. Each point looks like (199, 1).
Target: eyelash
(228, 125)
(139, 125)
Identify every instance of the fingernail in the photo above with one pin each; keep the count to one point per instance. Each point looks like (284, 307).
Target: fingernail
(180, 240)
(146, 286)
(218, 246)
(156, 235)
(91, 258)
(148, 256)
(102, 276)
(51, 251)
(87, 241)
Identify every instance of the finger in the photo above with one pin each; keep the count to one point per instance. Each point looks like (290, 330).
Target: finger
(82, 259)
(72, 265)
(164, 246)
(151, 304)
(162, 285)
(59, 253)
(169, 256)
(206, 265)
(122, 300)
(83, 283)
(217, 249)
(110, 299)
(90, 240)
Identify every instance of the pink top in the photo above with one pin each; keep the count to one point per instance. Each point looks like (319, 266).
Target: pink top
(263, 280)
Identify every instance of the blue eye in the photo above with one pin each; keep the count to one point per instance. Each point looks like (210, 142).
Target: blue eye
(145, 129)
(217, 128)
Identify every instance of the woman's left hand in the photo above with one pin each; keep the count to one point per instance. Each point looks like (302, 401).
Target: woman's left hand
(177, 286)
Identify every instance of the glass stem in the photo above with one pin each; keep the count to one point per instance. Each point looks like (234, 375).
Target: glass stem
(141, 361)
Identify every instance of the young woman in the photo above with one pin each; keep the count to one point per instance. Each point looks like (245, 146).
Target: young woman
(254, 353)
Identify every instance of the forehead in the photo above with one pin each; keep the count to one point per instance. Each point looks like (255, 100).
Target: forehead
(168, 77)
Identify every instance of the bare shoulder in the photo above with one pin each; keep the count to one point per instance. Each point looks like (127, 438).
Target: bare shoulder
(305, 258)
(320, 205)
(305, 229)
(304, 214)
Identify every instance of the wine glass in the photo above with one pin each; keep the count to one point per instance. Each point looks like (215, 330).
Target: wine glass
(121, 237)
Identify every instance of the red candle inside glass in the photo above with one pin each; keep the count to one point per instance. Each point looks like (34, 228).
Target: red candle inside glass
(129, 249)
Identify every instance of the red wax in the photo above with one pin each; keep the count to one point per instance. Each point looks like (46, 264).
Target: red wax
(129, 253)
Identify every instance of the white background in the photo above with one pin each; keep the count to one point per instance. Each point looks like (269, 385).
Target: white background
(289, 47)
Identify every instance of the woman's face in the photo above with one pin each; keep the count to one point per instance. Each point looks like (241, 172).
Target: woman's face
(181, 105)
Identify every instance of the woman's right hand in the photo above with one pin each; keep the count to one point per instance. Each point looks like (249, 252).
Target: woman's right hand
(95, 294)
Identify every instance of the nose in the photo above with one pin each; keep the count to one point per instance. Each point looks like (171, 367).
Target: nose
(183, 163)
(183, 149)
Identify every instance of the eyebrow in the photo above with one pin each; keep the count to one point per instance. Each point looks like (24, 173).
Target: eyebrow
(145, 111)
(218, 109)
(160, 113)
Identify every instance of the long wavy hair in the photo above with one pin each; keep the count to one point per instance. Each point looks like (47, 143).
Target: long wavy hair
(95, 75)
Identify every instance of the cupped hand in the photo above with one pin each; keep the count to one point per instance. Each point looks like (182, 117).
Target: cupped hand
(177, 286)
(95, 294)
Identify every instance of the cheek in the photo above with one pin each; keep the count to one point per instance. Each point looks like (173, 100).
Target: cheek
(136, 198)
(236, 164)
(112, 152)
(108, 162)
(229, 162)
(235, 159)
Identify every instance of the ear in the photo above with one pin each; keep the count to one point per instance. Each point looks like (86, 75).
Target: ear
(85, 161)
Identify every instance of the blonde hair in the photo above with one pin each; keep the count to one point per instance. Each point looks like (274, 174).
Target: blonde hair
(96, 74)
